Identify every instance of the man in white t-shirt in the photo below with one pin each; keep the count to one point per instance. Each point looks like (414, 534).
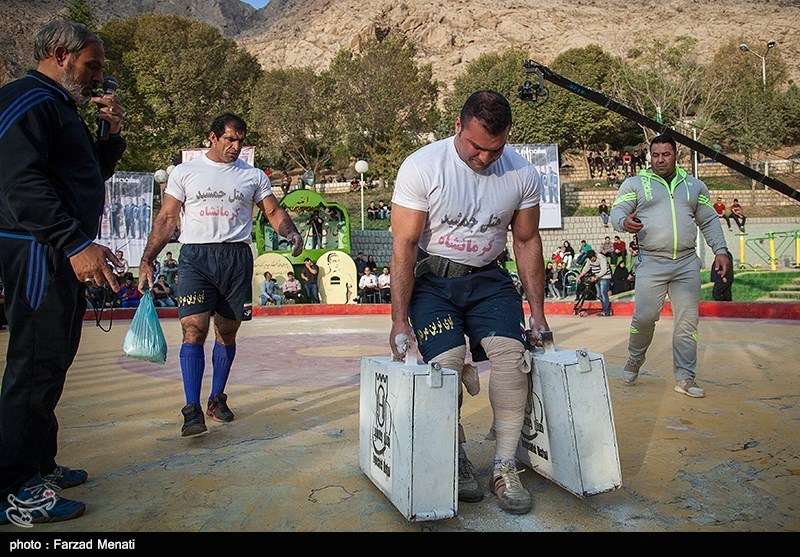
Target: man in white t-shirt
(367, 284)
(214, 195)
(453, 203)
(385, 284)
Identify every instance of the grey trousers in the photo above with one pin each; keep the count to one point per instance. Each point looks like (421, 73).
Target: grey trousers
(657, 278)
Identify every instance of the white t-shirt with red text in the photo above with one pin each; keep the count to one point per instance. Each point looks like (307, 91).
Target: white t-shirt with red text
(469, 212)
(218, 199)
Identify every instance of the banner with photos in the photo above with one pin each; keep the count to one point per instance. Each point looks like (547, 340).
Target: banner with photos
(545, 158)
(128, 214)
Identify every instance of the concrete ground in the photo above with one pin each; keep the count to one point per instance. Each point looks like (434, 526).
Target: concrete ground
(290, 460)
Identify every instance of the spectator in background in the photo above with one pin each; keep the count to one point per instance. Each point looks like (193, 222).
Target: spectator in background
(310, 274)
(621, 278)
(129, 295)
(737, 214)
(122, 269)
(722, 284)
(551, 276)
(607, 248)
(620, 252)
(315, 225)
(361, 263)
(385, 285)
(286, 182)
(626, 163)
(373, 213)
(162, 293)
(584, 249)
(602, 210)
(270, 290)
(170, 268)
(368, 284)
(567, 254)
(372, 264)
(291, 288)
(719, 207)
(383, 210)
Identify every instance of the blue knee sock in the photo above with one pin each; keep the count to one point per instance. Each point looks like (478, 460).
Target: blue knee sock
(221, 361)
(193, 363)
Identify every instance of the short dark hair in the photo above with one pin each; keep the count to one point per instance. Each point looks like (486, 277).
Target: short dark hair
(225, 120)
(664, 138)
(490, 108)
(589, 254)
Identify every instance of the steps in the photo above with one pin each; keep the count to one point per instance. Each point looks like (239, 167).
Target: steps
(786, 293)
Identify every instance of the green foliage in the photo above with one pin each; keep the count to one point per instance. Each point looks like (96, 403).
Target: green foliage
(291, 114)
(749, 119)
(81, 11)
(381, 101)
(175, 75)
(790, 109)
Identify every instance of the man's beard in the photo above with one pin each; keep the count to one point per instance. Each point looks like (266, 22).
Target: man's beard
(72, 86)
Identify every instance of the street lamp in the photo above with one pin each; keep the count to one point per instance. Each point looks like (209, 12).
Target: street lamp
(362, 167)
(770, 45)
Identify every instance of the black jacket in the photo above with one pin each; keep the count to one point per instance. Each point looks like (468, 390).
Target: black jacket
(52, 170)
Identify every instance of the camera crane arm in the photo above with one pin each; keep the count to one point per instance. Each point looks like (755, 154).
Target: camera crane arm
(531, 92)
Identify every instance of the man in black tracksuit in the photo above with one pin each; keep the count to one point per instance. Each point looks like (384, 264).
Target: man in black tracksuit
(52, 182)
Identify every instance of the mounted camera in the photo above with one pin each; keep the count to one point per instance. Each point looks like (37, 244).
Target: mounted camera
(530, 91)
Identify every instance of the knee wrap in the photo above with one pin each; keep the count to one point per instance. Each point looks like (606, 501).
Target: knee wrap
(454, 359)
(508, 391)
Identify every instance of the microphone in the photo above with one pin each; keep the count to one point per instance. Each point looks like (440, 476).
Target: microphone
(109, 86)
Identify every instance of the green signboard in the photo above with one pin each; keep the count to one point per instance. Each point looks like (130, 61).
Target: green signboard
(324, 226)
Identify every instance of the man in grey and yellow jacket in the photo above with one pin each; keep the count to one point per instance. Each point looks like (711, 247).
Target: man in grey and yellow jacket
(664, 207)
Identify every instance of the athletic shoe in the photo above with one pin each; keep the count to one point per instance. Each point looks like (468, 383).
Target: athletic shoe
(37, 502)
(469, 490)
(193, 421)
(64, 478)
(688, 387)
(511, 494)
(218, 409)
(631, 370)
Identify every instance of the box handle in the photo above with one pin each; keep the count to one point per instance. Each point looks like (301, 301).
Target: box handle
(584, 365)
(435, 380)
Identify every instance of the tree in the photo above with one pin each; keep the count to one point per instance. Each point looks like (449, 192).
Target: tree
(577, 123)
(382, 101)
(175, 75)
(665, 79)
(81, 11)
(750, 119)
(291, 114)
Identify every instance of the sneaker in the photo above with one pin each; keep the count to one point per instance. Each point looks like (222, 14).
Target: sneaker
(469, 490)
(37, 502)
(64, 478)
(218, 409)
(193, 421)
(688, 387)
(631, 371)
(511, 494)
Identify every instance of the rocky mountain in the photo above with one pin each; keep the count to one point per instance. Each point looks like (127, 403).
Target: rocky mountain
(448, 33)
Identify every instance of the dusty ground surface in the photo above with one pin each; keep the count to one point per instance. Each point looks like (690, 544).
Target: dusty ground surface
(289, 462)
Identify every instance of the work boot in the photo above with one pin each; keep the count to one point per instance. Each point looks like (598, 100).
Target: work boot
(688, 387)
(469, 490)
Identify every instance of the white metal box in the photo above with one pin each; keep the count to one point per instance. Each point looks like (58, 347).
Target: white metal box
(568, 435)
(408, 435)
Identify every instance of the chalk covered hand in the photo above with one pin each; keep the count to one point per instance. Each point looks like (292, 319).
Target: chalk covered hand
(296, 240)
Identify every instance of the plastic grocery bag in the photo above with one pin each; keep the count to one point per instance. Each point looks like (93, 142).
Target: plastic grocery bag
(145, 339)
